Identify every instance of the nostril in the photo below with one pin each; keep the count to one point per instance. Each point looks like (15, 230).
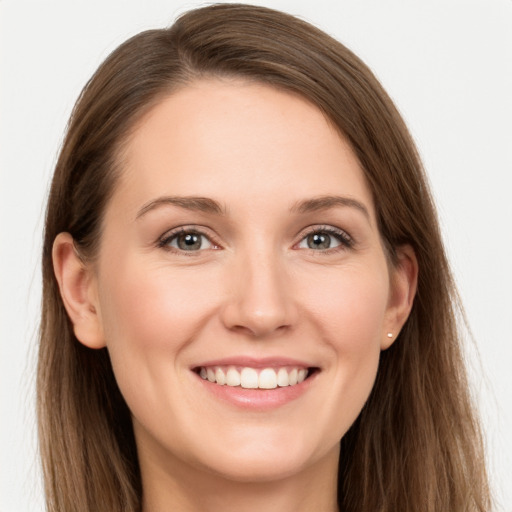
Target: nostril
(259, 328)
(260, 305)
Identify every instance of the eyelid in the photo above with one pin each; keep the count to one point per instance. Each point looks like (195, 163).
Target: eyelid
(164, 239)
(345, 239)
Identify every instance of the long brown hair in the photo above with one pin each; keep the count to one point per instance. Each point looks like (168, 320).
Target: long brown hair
(416, 444)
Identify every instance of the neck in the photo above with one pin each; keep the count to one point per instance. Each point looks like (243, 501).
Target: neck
(182, 488)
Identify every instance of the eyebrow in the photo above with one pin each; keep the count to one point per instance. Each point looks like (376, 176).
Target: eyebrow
(328, 202)
(198, 204)
(207, 205)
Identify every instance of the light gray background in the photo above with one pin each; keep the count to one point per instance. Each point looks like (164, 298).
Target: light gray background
(446, 63)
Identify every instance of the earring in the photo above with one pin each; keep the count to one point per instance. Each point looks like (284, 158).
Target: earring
(390, 334)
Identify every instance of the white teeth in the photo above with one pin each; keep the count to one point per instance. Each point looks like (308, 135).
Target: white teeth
(251, 378)
(220, 377)
(267, 379)
(232, 377)
(282, 378)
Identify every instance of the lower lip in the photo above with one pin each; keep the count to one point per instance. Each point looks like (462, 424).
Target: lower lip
(257, 399)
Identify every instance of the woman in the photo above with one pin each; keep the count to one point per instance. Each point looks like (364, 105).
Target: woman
(246, 298)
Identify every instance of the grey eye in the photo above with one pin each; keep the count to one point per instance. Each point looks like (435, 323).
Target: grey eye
(319, 240)
(189, 241)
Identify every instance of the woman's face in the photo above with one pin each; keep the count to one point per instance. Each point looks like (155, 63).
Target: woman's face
(241, 286)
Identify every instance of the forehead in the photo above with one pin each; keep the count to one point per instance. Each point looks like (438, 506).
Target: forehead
(237, 141)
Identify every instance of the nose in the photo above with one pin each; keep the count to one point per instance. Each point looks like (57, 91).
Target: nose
(259, 301)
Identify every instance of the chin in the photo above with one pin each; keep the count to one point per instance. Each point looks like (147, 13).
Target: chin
(258, 469)
(270, 459)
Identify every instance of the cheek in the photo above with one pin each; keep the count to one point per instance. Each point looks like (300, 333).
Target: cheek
(149, 316)
(151, 308)
(350, 314)
(357, 312)
(349, 306)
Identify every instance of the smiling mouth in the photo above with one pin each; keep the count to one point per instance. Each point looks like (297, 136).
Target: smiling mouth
(255, 378)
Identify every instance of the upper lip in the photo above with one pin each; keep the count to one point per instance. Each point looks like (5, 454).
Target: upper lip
(254, 362)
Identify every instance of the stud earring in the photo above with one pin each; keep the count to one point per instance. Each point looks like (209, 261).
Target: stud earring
(390, 334)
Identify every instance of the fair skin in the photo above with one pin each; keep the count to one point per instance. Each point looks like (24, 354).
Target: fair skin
(241, 234)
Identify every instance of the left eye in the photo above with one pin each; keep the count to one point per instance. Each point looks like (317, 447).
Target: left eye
(188, 241)
(320, 240)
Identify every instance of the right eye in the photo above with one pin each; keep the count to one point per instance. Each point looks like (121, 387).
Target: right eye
(187, 240)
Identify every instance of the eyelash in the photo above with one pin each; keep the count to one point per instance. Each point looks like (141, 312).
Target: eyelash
(345, 240)
(169, 236)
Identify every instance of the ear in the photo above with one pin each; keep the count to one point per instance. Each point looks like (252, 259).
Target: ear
(403, 284)
(77, 285)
